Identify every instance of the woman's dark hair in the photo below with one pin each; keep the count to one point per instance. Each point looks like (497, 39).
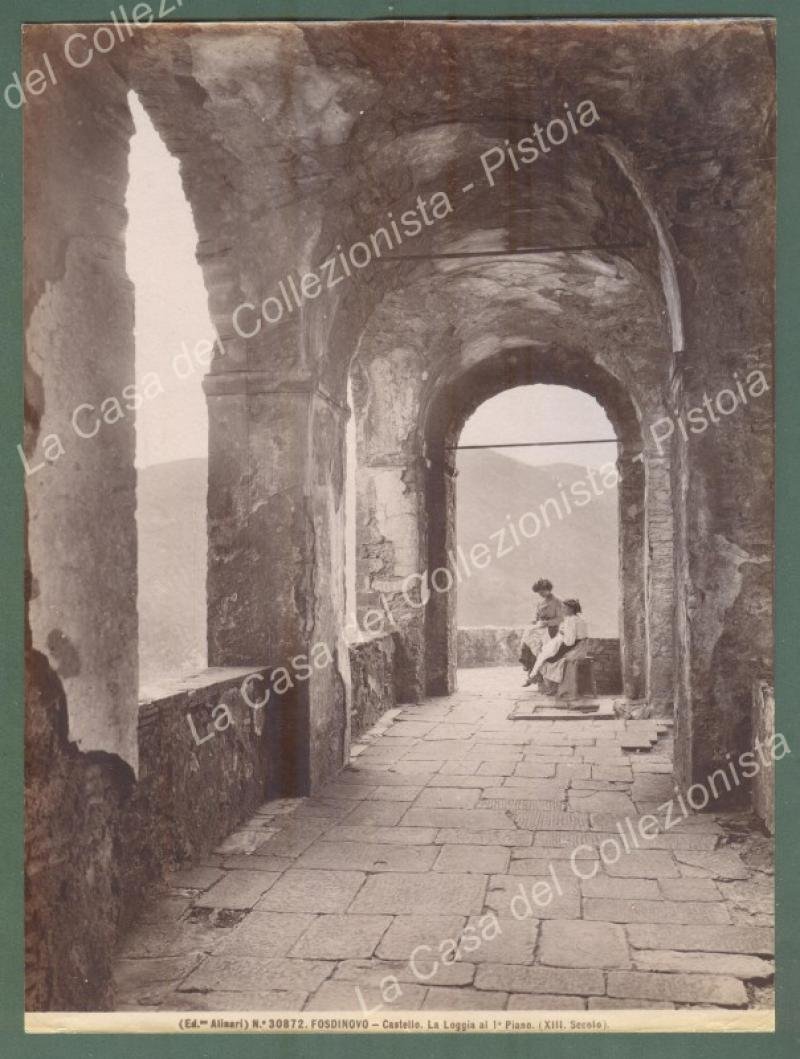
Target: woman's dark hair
(573, 605)
(542, 585)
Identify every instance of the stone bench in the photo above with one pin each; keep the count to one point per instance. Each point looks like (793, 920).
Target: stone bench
(579, 680)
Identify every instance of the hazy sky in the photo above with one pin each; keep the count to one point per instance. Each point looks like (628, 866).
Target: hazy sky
(171, 305)
(172, 317)
(542, 413)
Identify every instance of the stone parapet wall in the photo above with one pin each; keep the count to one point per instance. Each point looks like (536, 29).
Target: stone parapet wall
(373, 663)
(98, 840)
(498, 645)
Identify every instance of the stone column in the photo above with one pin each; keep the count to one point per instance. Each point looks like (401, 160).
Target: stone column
(659, 565)
(389, 561)
(79, 452)
(633, 617)
(276, 569)
(441, 613)
(390, 508)
(723, 480)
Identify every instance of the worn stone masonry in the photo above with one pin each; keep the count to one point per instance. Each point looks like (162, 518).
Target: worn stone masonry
(633, 261)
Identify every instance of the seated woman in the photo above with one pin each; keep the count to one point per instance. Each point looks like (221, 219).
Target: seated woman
(549, 613)
(569, 643)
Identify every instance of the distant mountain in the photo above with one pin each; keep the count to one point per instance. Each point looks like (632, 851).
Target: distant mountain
(578, 552)
(171, 518)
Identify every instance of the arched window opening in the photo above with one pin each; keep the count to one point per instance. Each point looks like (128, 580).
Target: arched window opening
(174, 338)
(528, 508)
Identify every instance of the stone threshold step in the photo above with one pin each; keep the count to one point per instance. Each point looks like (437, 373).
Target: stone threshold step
(578, 710)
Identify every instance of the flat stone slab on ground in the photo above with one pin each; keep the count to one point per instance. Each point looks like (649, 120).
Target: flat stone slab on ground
(266, 1000)
(679, 988)
(401, 894)
(534, 1003)
(359, 997)
(444, 998)
(265, 934)
(465, 819)
(690, 890)
(376, 814)
(312, 890)
(560, 981)
(197, 878)
(375, 971)
(341, 937)
(419, 936)
(746, 967)
(535, 897)
(620, 888)
(238, 889)
(487, 860)
(501, 837)
(756, 941)
(368, 856)
(252, 975)
(640, 911)
(401, 835)
(447, 798)
(577, 943)
(719, 864)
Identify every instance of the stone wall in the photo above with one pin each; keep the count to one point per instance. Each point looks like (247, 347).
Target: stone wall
(763, 783)
(494, 645)
(97, 840)
(372, 672)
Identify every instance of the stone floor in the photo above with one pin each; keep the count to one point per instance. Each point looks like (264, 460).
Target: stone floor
(457, 827)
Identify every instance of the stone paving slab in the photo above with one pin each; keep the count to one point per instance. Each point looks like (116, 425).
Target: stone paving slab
(373, 972)
(137, 980)
(450, 999)
(447, 798)
(487, 859)
(368, 856)
(544, 980)
(464, 819)
(720, 864)
(620, 888)
(501, 837)
(531, 1002)
(239, 889)
(502, 940)
(264, 934)
(477, 780)
(682, 988)
(640, 911)
(303, 890)
(607, 1003)
(265, 1000)
(690, 890)
(401, 835)
(534, 897)
(756, 941)
(354, 997)
(749, 968)
(376, 814)
(252, 974)
(401, 894)
(341, 937)
(577, 943)
(420, 937)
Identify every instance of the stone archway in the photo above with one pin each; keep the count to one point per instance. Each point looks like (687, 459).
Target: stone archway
(645, 617)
